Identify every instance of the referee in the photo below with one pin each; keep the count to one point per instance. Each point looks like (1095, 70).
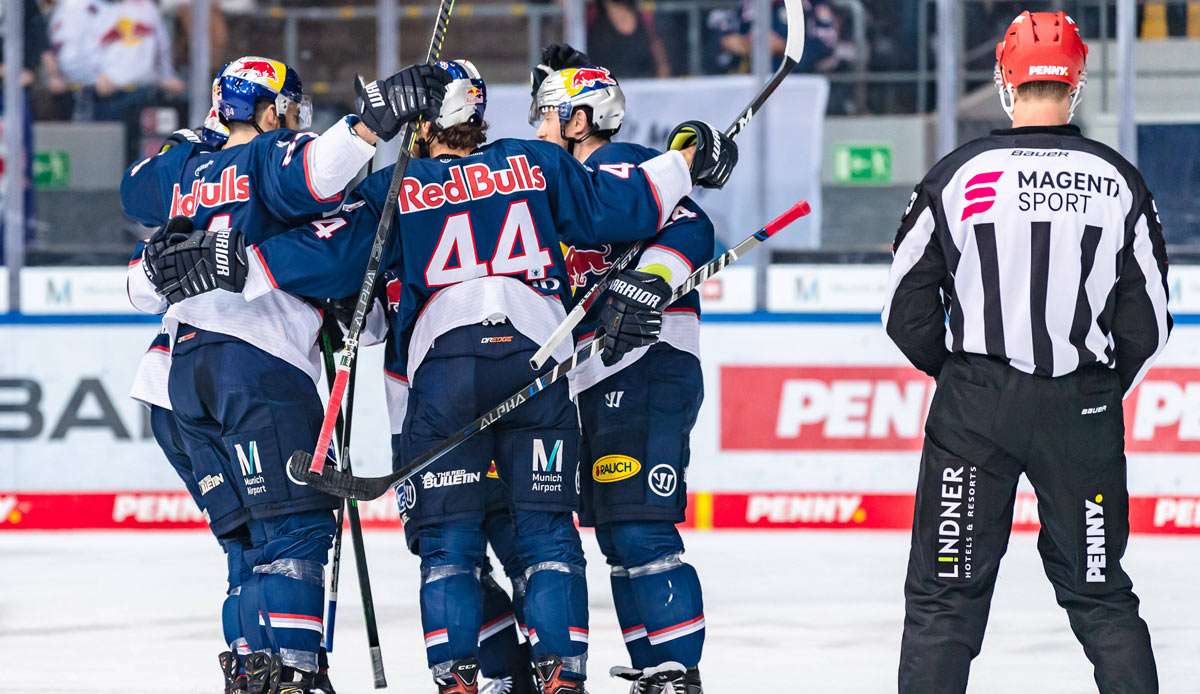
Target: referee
(1029, 279)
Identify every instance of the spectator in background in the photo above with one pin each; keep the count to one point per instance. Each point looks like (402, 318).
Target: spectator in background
(735, 31)
(622, 38)
(36, 53)
(133, 59)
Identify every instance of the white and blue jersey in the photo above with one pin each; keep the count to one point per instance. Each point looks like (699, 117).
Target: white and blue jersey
(277, 181)
(479, 239)
(685, 242)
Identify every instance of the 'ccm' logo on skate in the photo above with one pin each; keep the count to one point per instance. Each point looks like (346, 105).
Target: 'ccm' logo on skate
(635, 293)
(1097, 560)
(955, 540)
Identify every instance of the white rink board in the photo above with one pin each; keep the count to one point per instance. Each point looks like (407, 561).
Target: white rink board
(845, 412)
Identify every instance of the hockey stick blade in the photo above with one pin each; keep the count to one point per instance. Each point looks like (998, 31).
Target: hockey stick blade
(339, 483)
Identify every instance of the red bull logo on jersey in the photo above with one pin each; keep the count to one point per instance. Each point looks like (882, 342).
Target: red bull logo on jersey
(582, 262)
(472, 182)
(230, 187)
(980, 195)
(576, 80)
(393, 288)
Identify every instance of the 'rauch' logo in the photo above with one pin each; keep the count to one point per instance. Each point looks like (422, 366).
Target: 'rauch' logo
(1097, 560)
(614, 468)
(251, 464)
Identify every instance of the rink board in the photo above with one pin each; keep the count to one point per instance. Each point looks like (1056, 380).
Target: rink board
(809, 421)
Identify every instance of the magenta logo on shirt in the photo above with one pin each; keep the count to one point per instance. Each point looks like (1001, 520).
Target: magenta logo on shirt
(980, 194)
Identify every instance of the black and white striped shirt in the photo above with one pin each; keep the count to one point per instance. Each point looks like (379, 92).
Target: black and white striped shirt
(1042, 247)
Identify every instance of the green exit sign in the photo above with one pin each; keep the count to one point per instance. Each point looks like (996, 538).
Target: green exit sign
(862, 163)
(51, 169)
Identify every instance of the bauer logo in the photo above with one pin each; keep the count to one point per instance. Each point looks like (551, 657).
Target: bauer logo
(662, 480)
(614, 468)
(1097, 558)
(979, 193)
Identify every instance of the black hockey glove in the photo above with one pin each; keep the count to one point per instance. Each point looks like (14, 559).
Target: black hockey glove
(632, 315)
(386, 105)
(179, 137)
(175, 230)
(716, 153)
(200, 262)
(555, 57)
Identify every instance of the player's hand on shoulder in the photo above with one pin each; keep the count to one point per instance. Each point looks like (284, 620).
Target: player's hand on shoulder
(632, 315)
(180, 137)
(386, 105)
(711, 154)
(187, 262)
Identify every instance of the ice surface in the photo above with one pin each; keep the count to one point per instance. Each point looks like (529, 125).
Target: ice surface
(786, 612)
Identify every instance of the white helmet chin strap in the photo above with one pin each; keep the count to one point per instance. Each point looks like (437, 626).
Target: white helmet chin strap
(1008, 95)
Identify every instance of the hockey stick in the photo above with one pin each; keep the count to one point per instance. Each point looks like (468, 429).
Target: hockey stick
(345, 485)
(792, 52)
(350, 350)
(356, 538)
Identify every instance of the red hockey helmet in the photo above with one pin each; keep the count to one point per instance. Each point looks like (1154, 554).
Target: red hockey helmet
(1040, 46)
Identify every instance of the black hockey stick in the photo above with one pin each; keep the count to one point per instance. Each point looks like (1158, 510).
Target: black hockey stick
(346, 358)
(346, 485)
(356, 537)
(792, 52)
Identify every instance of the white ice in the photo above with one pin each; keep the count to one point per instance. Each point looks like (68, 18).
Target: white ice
(787, 612)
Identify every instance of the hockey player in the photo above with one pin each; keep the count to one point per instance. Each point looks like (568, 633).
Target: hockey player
(242, 376)
(1045, 250)
(482, 282)
(639, 404)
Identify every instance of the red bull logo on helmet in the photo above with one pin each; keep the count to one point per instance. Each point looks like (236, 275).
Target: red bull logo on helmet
(259, 70)
(582, 262)
(576, 80)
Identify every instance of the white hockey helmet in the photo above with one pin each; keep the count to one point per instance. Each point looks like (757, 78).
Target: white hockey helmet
(576, 87)
(466, 95)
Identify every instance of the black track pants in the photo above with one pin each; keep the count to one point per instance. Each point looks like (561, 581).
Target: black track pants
(989, 423)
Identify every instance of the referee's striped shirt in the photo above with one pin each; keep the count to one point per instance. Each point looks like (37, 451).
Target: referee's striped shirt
(1042, 248)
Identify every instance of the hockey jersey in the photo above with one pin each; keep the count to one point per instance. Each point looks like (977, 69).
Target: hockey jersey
(685, 242)
(479, 239)
(277, 181)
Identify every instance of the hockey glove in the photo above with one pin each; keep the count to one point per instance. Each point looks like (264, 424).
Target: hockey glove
(632, 316)
(179, 137)
(716, 153)
(199, 263)
(175, 230)
(555, 57)
(386, 105)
